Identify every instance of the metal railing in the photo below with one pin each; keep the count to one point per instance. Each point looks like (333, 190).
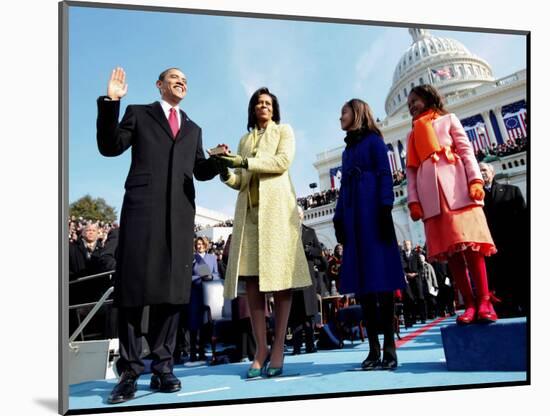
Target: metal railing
(92, 276)
(96, 305)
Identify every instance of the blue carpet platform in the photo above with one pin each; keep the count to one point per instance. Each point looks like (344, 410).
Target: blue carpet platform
(500, 346)
(422, 364)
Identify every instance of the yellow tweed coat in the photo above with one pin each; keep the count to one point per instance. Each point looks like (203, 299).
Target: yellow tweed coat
(282, 261)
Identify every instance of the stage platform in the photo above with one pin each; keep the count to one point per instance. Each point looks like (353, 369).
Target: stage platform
(421, 365)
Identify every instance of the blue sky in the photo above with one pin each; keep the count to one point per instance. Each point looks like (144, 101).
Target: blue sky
(312, 67)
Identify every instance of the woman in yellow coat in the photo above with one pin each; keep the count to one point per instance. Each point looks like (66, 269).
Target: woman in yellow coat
(266, 248)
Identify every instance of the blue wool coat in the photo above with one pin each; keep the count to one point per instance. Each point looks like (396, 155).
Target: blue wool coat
(369, 264)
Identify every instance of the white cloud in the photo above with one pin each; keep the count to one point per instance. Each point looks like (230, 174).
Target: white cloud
(371, 68)
(265, 53)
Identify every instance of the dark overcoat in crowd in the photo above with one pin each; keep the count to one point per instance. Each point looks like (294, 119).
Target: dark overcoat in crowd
(412, 264)
(81, 262)
(155, 249)
(304, 301)
(506, 215)
(107, 257)
(369, 263)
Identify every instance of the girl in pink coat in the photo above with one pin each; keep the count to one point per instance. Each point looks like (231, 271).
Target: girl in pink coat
(445, 190)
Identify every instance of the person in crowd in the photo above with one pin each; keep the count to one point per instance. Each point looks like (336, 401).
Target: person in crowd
(334, 264)
(266, 251)
(304, 301)
(155, 248)
(221, 264)
(445, 190)
(240, 315)
(84, 254)
(73, 235)
(431, 287)
(506, 214)
(371, 267)
(107, 257)
(414, 301)
(205, 267)
(320, 266)
(445, 301)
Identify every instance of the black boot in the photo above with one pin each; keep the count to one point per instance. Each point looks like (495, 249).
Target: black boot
(309, 338)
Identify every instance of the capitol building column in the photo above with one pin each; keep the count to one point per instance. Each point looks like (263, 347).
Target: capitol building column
(489, 126)
(397, 157)
(500, 120)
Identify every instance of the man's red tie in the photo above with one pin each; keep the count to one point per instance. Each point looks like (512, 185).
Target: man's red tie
(173, 121)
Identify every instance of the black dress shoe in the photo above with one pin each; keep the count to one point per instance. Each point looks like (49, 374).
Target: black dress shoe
(390, 364)
(371, 364)
(165, 383)
(125, 389)
(310, 350)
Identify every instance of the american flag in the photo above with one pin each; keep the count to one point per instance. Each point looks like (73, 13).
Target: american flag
(335, 177)
(478, 136)
(516, 126)
(443, 73)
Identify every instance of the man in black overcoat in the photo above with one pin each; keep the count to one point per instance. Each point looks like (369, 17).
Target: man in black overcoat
(304, 301)
(155, 247)
(508, 269)
(414, 302)
(84, 254)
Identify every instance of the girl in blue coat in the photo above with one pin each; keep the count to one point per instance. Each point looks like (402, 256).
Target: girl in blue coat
(371, 266)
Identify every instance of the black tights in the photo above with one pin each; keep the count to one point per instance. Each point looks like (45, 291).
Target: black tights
(378, 309)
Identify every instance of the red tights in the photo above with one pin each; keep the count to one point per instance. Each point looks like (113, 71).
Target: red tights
(473, 262)
(469, 261)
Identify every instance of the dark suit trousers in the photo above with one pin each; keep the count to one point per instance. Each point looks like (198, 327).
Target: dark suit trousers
(378, 309)
(160, 335)
(413, 300)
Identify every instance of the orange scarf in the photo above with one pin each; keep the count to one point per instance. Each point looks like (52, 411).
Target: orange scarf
(423, 141)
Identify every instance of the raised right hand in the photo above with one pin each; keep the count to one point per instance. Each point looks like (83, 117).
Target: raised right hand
(117, 87)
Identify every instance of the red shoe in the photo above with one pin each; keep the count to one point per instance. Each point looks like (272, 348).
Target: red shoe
(485, 311)
(467, 317)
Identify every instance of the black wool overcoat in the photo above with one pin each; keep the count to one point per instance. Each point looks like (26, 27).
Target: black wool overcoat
(155, 249)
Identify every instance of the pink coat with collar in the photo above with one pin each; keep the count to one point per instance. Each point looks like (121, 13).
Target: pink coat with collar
(423, 183)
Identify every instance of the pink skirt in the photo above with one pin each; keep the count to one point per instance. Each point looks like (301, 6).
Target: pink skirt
(457, 230)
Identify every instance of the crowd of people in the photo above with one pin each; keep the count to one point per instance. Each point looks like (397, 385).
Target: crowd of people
(399, 176)
(504, 149)
(226, 223)
(329, 196)
(77, 224)
(318, 199)
(429, 291)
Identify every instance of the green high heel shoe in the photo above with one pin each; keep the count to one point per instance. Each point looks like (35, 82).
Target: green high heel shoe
(274, 372)
(257, 372)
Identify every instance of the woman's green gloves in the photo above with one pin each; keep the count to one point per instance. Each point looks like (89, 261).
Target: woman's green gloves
(230, 161)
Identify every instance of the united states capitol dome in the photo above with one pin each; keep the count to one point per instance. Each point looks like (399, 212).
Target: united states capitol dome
(443, 62)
